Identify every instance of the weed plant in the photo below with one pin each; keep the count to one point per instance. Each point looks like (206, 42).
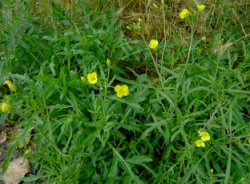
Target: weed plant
(194, 86)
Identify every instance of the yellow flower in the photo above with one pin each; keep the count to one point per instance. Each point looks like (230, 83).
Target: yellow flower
(121, 90)
(92, 78)
(5, 107)
(108, 62)
(11, 86)
(153, 44)
(184, 13)
(200, 7)
(200, 144)
(204, 135)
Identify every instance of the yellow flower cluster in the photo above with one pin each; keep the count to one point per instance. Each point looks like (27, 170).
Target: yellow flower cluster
(200, 7)
(11, 86)
(121, 90)
(185, 13)
(204, 136)
(92, 78)
(199, 143)
(153, 44)
(6, 106)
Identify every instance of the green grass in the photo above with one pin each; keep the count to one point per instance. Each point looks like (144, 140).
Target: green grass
(83, 133)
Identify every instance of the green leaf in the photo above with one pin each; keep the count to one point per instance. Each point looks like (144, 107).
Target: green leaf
(126, 165)
(8, 156)
(139, 159)
(31, 178)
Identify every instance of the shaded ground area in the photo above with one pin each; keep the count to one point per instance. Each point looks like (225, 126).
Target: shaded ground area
(6, 133)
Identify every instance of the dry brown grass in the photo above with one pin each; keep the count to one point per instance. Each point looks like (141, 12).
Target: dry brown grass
(161, 17)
